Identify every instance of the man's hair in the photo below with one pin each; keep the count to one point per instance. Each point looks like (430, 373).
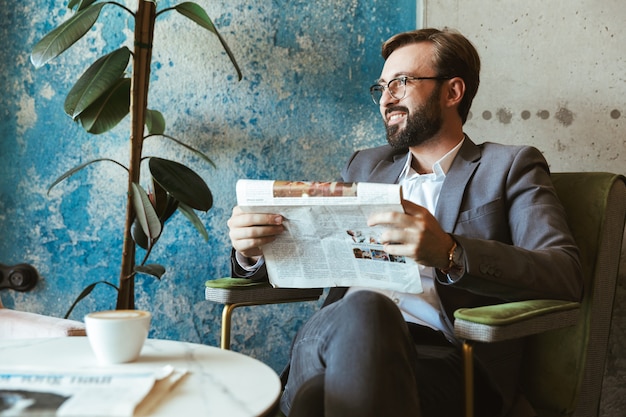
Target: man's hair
(454, 56)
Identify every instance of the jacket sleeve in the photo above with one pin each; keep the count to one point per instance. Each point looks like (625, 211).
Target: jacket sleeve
(514, 232)
(236, 271)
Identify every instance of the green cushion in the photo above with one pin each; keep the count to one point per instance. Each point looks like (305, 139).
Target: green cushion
(509, 313)
(240, 283)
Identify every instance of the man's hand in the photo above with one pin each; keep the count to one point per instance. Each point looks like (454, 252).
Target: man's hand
(415, 233)
(249, 231)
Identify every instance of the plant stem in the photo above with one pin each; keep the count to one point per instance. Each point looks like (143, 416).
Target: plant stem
(144, 33)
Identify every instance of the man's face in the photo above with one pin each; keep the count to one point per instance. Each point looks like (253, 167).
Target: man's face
(417, 117)
(421, 124)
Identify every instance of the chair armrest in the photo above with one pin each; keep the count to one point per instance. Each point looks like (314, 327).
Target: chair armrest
(238, 292)
(243, 291)
(24, 325)
(514, 320)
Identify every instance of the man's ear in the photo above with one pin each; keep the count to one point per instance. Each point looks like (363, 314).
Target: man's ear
(455, 91)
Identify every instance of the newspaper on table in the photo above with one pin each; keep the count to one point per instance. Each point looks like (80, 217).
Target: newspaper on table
(327, 241)
(26, 391)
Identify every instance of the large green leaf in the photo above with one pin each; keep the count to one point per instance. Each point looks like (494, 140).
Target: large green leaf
(155, 270)
(164, 205)
(139, 237)
(99, 78)
(194, 219)
(160, 200)
(155, 122)
(146, 215)
(65, 35)
(197, 14)
(108, 110)
(182, 183)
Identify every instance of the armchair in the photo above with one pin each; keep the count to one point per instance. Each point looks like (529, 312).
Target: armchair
(566, 342)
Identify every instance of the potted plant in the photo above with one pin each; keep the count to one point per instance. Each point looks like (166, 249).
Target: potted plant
(102, 97)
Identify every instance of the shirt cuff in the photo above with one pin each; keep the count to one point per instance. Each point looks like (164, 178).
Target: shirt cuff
(455, 274)
(245, 264)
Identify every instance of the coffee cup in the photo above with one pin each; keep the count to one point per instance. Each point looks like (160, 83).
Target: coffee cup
(117, 336)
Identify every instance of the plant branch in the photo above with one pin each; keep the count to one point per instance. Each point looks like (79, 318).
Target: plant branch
(147, 255)
(144, 34)
(101, 98)
(184, 145)
(123, 7)
(167, 9)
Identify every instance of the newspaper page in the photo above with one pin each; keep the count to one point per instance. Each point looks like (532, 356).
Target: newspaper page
(51, 392)
(327, 241)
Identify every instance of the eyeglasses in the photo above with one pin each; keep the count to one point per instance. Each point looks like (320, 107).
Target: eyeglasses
(397, 87)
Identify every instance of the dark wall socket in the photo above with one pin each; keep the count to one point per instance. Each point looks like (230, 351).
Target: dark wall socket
(20, 277)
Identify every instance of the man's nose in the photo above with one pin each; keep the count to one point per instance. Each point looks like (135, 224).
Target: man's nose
(386, 98)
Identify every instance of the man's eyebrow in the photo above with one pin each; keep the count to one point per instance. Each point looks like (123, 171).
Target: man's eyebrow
(393, 77)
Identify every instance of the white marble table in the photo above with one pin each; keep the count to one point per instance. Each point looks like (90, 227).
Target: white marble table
(219, 382)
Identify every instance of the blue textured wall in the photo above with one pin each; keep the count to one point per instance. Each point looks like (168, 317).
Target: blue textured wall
(301, 109)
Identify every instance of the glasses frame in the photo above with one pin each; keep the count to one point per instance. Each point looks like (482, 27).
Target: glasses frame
(380, 88)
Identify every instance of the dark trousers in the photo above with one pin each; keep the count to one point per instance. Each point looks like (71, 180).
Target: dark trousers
(358, 357)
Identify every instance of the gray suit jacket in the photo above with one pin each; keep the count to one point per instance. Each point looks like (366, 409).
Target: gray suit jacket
(499, 204)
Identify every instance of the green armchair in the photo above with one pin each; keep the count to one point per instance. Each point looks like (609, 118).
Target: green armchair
(566, 342)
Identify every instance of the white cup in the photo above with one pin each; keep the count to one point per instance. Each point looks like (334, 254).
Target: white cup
(117, 336)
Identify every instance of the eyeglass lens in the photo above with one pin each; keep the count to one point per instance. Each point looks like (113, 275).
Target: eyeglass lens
(396, 88)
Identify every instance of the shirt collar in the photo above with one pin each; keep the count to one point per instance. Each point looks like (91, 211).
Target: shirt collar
(440, 168)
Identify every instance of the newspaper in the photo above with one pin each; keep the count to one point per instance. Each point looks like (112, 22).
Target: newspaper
(53, 392)
(327, 241)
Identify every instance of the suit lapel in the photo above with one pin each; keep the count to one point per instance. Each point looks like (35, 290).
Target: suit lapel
(453, 190)
(388, 170)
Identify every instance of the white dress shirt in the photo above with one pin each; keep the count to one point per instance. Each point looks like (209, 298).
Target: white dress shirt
(423, 189)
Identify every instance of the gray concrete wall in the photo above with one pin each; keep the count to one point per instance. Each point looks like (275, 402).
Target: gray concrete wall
(554, 76)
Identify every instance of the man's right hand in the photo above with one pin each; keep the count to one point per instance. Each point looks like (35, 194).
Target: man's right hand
(249, 231)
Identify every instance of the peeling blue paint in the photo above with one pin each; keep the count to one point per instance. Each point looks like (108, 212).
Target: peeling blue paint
(301, 109)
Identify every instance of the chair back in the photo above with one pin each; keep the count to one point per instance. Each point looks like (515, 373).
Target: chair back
(563, 369)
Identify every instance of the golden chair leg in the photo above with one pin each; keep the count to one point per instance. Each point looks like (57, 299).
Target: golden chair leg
(468, 372)
(227, 313)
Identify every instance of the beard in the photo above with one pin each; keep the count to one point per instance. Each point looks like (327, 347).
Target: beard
(421, 126)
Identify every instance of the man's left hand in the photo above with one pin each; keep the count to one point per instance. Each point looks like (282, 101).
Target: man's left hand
(416, 233)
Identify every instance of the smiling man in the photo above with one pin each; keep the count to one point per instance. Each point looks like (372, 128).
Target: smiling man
(482, 221)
